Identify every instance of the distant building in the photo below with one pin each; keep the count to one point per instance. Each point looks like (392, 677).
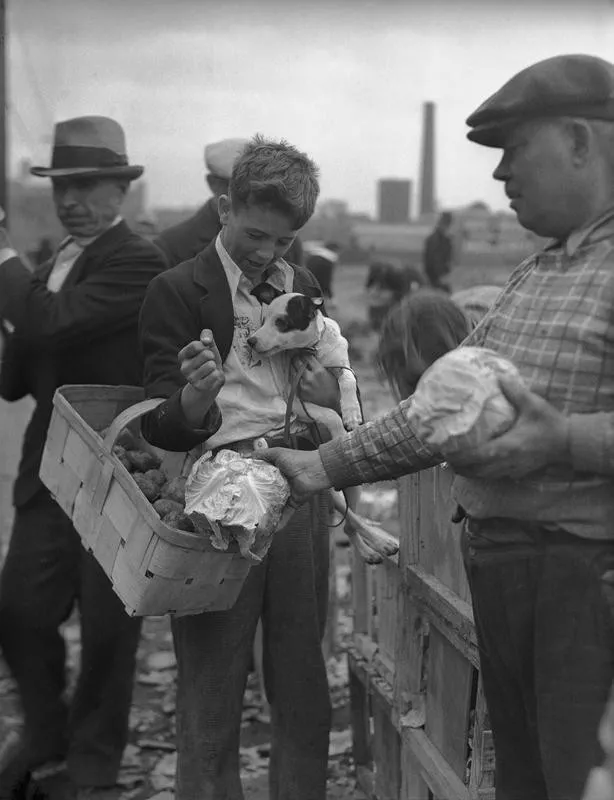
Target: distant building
(478, 232)
(427, 205)
(394, 204)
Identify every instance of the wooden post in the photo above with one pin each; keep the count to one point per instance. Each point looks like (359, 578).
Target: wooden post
(4, 200)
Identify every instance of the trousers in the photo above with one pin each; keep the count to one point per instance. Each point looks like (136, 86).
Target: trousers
(542, 603)
(289, 591)
(46, 573)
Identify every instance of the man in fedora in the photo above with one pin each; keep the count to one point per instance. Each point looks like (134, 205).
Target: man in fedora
(538, 500)
(73, 321)
(187, 239)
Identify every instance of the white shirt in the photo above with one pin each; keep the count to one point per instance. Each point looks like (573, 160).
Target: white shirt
(252, 398)
(68, 253)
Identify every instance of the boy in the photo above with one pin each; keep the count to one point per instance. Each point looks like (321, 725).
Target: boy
(194, 327)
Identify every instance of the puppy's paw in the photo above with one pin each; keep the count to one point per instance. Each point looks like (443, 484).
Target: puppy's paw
(352, 419)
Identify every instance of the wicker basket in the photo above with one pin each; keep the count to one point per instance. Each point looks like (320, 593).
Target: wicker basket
(154, 569)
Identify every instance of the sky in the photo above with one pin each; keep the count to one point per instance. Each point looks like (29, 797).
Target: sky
(344, 81)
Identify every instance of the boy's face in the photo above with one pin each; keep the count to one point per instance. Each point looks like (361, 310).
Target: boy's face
(254, 236)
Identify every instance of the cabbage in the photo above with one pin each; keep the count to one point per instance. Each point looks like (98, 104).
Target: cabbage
(231, 497)
(458, 403)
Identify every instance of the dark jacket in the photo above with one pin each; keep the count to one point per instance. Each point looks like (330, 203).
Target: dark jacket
(85, 333)
(187, 239)
(323, 269)
(178, 305)
(183, 241)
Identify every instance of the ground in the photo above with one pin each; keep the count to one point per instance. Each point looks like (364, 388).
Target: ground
(149, 763)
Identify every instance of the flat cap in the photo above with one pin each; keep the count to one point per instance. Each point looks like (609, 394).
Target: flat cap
(220, 156)
(563, 86)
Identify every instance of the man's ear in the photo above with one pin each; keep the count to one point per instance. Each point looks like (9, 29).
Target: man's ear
(582, 139)
(223, 208)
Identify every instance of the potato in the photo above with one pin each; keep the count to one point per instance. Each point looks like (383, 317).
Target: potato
(126, 462)
(157, 476)
(120, 453)
(164, 506)
(147, 486)
(177, 519)
(142, 461)
(175, 490)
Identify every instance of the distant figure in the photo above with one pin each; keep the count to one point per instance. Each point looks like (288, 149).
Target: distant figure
(321, 261)
(386, 285)
(438, 253)
(187, 239)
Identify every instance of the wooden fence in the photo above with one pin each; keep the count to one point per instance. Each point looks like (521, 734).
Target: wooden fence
(419, 720)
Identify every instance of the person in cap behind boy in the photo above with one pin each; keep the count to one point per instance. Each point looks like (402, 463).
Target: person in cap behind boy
(190, 237)
(538, 539)
(72, 322)
(195, 323)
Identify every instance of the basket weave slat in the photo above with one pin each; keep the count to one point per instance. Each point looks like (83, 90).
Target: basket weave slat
(154, 569)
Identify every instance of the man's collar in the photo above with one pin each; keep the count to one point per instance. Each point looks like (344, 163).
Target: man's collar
(279, 274)
(598, 228)
(85, 242)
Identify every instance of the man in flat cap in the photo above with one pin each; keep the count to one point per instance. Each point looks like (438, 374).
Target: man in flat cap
(538, 500)
(73, 321)
(187, 239)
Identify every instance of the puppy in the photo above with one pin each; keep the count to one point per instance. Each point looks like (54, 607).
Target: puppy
(295, 322)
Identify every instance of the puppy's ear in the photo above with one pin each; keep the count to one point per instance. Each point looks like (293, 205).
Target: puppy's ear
(318, 302)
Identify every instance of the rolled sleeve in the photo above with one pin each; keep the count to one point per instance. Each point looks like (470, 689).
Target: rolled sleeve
(166, 426)
(383, 449)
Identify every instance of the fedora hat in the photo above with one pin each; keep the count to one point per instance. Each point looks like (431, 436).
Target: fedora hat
(89, 147)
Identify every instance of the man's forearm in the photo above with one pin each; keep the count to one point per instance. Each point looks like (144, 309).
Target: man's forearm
(380, 450)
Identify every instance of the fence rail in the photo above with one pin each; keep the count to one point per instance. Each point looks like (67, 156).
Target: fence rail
(419, 719)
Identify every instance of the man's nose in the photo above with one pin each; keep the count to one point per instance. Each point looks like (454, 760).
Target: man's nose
(502, 170)
(67, 198)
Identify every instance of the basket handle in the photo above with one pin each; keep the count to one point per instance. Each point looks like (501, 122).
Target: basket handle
(127, 416)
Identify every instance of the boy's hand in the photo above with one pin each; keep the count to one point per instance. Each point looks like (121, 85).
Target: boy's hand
(201, 365)
(318, 385)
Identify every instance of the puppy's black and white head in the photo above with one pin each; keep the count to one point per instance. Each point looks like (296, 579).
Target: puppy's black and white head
(291, 324)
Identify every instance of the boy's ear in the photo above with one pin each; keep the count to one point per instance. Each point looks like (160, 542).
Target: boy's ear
(223, 208)
(318, 302)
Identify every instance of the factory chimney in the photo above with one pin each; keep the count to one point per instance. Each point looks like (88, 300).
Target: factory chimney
(427, 163)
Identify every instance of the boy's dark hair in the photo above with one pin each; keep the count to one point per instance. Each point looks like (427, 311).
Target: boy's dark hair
(420, 329)
(278, 175)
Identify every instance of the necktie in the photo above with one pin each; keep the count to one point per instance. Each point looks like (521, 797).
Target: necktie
(264, 292)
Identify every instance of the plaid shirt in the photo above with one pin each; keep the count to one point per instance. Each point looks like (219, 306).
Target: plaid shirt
(554, 320)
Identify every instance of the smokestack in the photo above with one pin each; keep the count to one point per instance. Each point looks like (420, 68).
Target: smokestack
(427, 164)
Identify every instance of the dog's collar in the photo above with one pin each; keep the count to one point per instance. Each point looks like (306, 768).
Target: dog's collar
(320, 326)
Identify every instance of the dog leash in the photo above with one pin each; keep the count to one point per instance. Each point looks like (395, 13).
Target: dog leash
(287, 436)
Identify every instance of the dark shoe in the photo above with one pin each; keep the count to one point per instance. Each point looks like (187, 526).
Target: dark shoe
(19, 781)
(51, 782)
(15, 773)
